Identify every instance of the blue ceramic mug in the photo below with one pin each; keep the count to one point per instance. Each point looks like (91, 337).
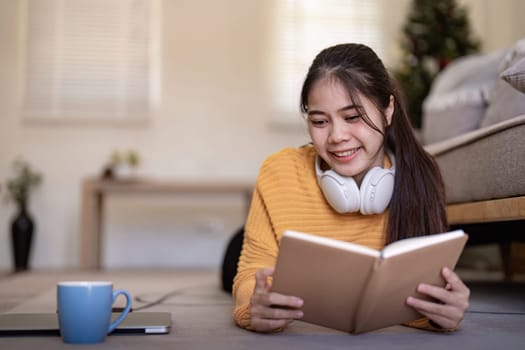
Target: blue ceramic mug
(84, 310)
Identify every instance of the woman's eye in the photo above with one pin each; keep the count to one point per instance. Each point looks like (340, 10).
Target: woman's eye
(318, 123)
(352, 118)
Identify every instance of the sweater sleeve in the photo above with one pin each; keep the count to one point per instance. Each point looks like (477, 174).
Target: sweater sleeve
(259, 250)
(425, 324)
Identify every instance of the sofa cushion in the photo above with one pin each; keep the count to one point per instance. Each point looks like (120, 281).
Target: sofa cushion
(515, 75)
(483, 164)
(506, 101)
(445, 123)
(459, 95)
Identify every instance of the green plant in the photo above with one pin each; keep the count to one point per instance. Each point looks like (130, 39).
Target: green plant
(435, 33)
(133, 158)
(19, 187)
(115, 158)
(130, 158)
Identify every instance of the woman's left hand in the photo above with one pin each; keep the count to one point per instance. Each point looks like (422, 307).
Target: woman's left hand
(452, 301)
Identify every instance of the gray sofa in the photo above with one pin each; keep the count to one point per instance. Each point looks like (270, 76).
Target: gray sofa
(484, 164)
(474, 124)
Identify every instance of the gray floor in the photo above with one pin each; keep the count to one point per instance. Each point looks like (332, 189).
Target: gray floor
(495, 298)
(496, 319)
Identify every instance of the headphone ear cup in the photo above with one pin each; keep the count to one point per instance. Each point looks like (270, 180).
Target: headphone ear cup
(376, 190)
(340, 192)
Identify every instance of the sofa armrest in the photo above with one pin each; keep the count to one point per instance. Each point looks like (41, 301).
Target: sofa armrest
(484, 164)
(442, 147)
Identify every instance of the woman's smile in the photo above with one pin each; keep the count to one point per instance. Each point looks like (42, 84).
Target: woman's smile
(346, 155)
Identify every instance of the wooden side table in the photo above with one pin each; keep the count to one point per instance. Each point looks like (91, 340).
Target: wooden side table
(95, 191)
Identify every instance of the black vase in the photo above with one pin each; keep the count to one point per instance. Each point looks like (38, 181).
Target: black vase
(21, 237)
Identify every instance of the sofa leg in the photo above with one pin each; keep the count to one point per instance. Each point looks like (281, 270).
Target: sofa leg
(509, 238)
(505, 249)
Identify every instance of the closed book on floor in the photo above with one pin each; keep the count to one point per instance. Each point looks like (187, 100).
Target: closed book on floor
(356, 289)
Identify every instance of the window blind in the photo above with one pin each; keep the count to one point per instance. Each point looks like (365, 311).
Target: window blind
(89, 60)
(305, 27)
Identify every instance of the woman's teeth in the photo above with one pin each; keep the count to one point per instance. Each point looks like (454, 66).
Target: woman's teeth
(345, 153)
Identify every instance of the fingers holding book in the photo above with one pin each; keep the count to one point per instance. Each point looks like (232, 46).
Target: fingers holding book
(261, 279)
(270, 311)
(452, 301)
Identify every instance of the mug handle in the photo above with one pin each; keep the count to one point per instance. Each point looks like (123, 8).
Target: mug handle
(124, 313)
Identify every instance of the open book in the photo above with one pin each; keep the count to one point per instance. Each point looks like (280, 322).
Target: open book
(356, 289)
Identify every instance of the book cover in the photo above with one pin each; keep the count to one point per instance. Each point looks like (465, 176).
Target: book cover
(355, 289)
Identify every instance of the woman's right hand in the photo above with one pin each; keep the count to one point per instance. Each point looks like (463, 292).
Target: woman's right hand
(270, 311)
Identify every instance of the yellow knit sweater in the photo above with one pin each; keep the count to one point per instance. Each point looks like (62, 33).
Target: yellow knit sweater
(287, 197)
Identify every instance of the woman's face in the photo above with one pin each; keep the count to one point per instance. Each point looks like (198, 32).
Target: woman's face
(341, 137)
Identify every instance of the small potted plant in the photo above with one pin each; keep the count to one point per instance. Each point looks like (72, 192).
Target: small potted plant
(22, 226)
(121, 165)
(133, 159)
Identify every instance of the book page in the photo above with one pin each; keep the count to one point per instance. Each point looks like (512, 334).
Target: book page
(409, 244)
(396, 278)
(329, 242)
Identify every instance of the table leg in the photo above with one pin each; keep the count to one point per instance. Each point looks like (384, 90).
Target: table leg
(91, 226)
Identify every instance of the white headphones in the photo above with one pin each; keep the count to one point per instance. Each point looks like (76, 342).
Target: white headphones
(343, 194)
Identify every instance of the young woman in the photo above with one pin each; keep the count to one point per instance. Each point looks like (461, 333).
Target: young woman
(359, 132)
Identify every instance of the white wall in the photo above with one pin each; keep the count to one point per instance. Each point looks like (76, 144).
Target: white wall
(212, 123)
(498, 24)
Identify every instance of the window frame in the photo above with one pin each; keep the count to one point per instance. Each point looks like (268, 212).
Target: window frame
(54, 112)
(288, 72)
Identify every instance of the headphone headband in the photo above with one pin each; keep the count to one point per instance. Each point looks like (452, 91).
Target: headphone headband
(345, 196)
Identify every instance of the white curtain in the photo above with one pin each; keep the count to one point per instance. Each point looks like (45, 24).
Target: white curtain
(303, 28)
(89, 60)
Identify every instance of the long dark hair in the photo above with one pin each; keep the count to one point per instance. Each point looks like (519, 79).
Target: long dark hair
(418, 202)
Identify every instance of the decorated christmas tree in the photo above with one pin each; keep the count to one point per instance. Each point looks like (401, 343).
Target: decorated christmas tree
(435, 33)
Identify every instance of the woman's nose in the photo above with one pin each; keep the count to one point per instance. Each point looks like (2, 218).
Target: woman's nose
(339, 133)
